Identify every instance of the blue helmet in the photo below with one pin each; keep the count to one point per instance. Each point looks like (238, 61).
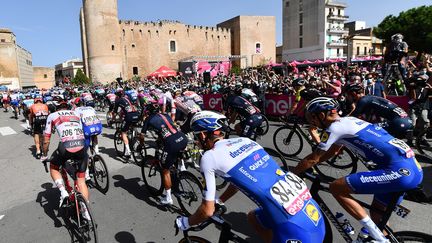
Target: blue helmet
(208, 121)
(322, 104)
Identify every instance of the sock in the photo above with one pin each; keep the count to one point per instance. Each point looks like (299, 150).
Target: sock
(373, 229)
(127, 149)
(60, 185)
(96, 148)
(168, 193)
(27, 123)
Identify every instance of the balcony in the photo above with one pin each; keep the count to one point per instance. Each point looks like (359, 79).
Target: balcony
(336, 43)
(337, 31)
(337, 17)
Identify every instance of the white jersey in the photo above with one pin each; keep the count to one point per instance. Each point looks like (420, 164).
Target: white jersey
(14, 97)
(69, 128)
(245, 164)
(88, 115)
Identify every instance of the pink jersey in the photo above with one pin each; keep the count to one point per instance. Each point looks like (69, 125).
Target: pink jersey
(111, 97)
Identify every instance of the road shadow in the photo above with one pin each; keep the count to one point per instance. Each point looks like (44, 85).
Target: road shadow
(33, 150)
(49, 201)
(239, 223)
(108, 135)
(125, 237)
(132, 186)
(111, 152)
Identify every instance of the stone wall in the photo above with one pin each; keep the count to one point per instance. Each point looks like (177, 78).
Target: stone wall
(43, 77)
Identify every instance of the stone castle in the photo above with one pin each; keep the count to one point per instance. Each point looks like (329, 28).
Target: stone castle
(116, 48)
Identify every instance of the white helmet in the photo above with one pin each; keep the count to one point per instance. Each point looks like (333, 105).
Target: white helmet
(208, 121)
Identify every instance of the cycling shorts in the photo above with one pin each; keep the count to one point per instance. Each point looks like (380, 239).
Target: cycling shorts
(60, 156)
(250, 124)
(307, 226)
(399, 127)
(14, 103)
(130, 119)
(397, 177)
(94, 129)
(173, 145)
(39, 124)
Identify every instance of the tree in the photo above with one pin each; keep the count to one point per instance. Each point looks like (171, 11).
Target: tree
(80, 78)
(414, 24)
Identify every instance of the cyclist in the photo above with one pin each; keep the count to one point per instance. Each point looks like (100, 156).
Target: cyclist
(26, 103)
(14, 102)
(250, 115)
(88, 98)
(111, 99)
(397, 169)
(37, 119)
(173, 140)
(373, 109)
(249, 168)
(131, 117)
(92, 126)
(71, 146)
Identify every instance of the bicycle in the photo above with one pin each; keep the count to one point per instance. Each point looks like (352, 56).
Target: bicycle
(292, 135)
(186, 187)
(226, 234)
(98, 171)
(319, 184)
(120, 146)
(76, 203)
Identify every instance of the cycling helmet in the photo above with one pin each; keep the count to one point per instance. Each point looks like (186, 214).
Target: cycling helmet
(322, 104)
(119, 92)
(78, 101)
(153, 107)
(208, 121)
(62, 104)
(354, 88)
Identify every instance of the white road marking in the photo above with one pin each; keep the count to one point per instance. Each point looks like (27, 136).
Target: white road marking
(1, 217)
(102, 117)
(5, 131)
(24, 125)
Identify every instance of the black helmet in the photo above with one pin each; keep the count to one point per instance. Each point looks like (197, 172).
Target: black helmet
(153, 108)
(356, 88)
(299, 82)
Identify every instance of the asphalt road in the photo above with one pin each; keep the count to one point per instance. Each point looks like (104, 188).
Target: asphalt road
(29, 202)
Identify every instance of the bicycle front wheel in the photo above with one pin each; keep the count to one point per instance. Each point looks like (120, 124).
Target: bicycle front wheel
(264, 128)
(137, 151)
(100, 174)
(87, 226)
(119, 145)
(287, 141)
(189, 192)
(152, 175)
(411, 236)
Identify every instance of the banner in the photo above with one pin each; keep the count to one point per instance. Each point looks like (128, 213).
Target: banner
(213, 102)
(277, 105)
(401, 101)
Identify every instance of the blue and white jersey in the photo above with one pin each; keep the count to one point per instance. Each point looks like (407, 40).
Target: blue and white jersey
(28, 102)
(90, 121)
(282, 196)
(368, 140)
(132, 94)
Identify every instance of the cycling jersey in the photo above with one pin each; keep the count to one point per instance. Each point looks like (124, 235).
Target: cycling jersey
(14, 99)
(132, 95)
(39, 112)
(397, 169)
(242, 106)
(195, 97)
(69, 128)
(131, 115)
(249, 95)
(186, 105)
(285, 203)
(174, 140)
(27, 103)
(87, 98)
(91, 123)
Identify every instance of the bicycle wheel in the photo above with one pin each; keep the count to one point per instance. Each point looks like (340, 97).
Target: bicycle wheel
(137, 151)
(280, 160)
(264, 128)
(189, 192)
(194, 239)
(411, 236)
(287, 141)
(152, 175)
(341, 165)
(100, 174)
(87, 228)
(119, 145)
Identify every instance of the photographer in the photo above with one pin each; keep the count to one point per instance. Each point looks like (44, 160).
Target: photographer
(396, 53)
(420, 107)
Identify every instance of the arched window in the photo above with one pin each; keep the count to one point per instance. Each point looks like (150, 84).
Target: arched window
(172, 46)
(258, 49)
(112, 48)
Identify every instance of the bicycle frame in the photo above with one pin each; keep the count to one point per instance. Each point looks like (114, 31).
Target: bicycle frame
(317, 186)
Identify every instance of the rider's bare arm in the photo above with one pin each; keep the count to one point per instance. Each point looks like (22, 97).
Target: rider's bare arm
(316, 157)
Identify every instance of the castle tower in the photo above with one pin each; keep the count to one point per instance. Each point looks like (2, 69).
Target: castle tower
(101, 40)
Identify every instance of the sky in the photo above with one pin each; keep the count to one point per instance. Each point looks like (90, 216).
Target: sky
(50, 30)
